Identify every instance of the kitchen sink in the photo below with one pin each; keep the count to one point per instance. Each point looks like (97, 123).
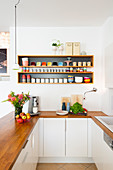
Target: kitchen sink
(106, 121)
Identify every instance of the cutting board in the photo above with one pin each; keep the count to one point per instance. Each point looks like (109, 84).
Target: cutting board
(66, 100)
(76, 98)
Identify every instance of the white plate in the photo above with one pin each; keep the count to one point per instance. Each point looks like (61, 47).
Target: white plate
(60, 112)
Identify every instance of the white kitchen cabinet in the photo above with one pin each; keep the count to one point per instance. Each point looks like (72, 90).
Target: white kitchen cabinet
(41, 137)
(76, 137)
(107, 157)
(54, 137)
(97, 145)
(28, 158)
(32, 146)
(109, 66)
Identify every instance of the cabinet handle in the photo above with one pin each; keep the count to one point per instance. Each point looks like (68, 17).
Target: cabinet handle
(111, 145)
(25, 144)
(65, 124)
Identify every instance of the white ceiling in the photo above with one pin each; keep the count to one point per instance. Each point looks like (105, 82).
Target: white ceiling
(55, 13)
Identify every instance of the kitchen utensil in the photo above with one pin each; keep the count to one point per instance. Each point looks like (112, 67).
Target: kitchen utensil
(89, 63)
(38, 63)
(70, 79)
(79, 64)
(49, 64)
(54, 64)
(60, 63)
(86, 79)
(43, 63)
(33, 64)
(25, 61)
(33, 107)
(78, 79)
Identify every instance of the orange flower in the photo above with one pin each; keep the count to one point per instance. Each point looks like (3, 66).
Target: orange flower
(9, 96)
(20, 96)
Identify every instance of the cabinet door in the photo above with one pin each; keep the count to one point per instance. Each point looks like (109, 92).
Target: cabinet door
(107, 157)
(32, 147)
(97, 145)
(76, 137)
(41, 137)
(109, 66)
(54, 137)
(28, 157)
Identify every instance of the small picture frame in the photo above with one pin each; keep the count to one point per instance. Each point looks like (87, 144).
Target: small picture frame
(4, 62)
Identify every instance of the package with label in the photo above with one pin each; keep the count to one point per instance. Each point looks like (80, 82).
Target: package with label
(76, 48)
(68, 48)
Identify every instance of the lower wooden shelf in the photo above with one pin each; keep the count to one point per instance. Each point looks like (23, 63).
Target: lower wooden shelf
(54, 83)
(54, 75)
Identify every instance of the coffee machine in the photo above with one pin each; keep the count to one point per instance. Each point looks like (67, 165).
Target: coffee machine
(33, 108)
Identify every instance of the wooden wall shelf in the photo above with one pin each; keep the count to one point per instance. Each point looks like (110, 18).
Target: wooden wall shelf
(55, 83)
(57, 74)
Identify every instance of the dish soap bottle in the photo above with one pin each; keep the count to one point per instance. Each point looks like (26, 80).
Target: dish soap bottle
(63, 106)
(68, 106)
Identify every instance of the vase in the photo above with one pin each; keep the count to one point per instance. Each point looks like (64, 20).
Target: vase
(54, 48)
(61, 49)
(18, 110)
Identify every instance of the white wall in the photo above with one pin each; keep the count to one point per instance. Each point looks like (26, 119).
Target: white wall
(38, 41)
(107, 97)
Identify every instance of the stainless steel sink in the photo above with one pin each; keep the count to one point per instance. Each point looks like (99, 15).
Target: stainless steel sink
(106, 121)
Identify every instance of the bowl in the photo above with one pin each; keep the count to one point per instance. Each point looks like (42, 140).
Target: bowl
(86, 79)
(78, 79)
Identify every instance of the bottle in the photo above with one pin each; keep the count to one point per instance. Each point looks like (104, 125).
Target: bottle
(28, 78)
(23, 78)
(68, 106)
(63, 106)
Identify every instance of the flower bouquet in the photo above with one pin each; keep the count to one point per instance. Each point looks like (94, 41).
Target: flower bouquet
(18, 100)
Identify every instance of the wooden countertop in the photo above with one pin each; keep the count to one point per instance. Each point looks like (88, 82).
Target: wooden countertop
(12, 139)
(52, 114)
(13, 135)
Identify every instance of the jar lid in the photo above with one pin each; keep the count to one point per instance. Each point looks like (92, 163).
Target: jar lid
(24, 59)
(23, 76)
(28, 76)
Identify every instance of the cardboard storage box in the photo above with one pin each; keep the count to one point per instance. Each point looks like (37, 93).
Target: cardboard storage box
(76, 48)
(68, 48)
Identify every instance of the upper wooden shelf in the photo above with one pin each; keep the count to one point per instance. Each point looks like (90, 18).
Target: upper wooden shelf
(56, 66)
(83, 72)
(54, 56)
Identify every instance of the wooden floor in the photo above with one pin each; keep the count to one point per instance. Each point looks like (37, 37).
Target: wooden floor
(66, 166)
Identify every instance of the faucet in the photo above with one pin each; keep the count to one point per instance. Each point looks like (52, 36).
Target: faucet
(93, 90)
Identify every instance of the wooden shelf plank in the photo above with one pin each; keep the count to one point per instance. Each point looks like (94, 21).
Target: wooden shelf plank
(49, 56)
(55, 83)
(88, 72)
(56, 66)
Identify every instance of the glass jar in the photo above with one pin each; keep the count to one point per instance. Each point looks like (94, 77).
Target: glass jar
(25, 61)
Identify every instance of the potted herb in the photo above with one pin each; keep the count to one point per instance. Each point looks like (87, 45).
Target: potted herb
(60, 46)
(57, 45)
(54, 46)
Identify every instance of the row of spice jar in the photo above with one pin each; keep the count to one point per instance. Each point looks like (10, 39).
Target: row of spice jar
(24, 69)
(65, 63)
(28, 79)
(70, 79)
